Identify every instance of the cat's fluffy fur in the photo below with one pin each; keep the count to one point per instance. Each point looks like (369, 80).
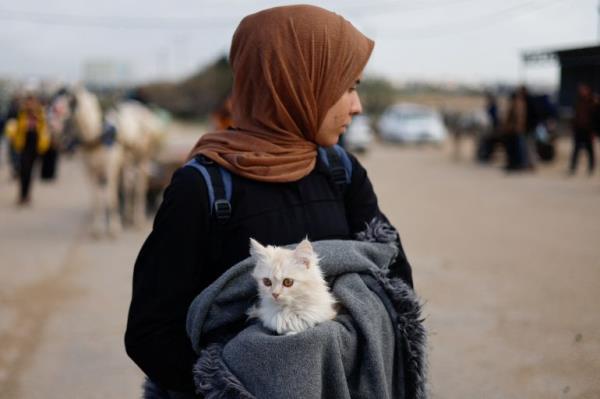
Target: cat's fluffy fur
(293, 309)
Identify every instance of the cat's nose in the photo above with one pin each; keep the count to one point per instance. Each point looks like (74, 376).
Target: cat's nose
(275, 295)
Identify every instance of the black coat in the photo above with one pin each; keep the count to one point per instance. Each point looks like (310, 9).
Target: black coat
(187, 250)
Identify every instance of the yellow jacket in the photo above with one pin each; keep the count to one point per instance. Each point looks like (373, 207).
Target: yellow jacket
(16, 131)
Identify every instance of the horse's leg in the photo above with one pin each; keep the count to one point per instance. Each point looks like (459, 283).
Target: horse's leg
(141, 188)
(129, 178)
(113, 170)
(97, 229)
(97, 183)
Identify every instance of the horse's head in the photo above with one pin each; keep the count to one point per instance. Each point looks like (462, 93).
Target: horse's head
(61, 109)
(75, 113)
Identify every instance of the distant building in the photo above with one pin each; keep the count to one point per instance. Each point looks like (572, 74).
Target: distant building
(104, 74)
(577, 65)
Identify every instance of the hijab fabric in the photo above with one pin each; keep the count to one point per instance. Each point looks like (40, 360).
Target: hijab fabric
(290, 64)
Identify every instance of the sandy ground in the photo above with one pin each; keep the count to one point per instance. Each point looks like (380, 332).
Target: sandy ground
(508, 268)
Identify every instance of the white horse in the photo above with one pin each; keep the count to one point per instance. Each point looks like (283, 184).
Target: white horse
(80, 110)
(124, 164)
(140, 132)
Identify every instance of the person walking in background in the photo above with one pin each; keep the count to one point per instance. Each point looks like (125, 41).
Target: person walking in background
(583, 125)
(596, 114)
(9, 128)
(514, 127)
(491, 107)
(489, 139)
(29, 139)
(55, 122)
(527, 140)
(3, 121)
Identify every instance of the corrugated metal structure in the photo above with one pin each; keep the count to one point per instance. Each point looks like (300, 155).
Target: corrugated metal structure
(577, 65)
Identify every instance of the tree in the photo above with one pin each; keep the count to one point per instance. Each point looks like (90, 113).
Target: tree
(196, 96)
(376, 95)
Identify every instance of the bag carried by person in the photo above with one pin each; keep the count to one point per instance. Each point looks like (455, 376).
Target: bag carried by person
(543, 144)
(49, 162)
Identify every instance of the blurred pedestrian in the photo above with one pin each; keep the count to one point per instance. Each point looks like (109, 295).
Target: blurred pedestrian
(56, 122)
(9, 128)
(596, 114)
(3, 121)
(29, 139)
(491, 108)
(527, 141)
(489, 139)
(583, 125)
(514, 128)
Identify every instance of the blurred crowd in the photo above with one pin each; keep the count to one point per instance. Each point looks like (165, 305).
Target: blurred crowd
(38, 124)
(525, 131)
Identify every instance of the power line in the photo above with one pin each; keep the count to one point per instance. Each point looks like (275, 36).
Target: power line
(473, 23)
(196, 23)
(116, 22)
(193, 23)
(374, 9)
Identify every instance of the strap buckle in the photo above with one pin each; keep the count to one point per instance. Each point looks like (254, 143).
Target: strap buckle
(204, 160)
(222, 210)
(338, 173)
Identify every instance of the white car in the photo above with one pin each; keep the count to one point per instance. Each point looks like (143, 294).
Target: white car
(359, 134)
(412, 123)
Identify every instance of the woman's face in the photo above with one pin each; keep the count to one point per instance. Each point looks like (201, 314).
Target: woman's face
(29, 104)
(338, 117)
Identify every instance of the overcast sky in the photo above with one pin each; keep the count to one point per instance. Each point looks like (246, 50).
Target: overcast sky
(441, 40)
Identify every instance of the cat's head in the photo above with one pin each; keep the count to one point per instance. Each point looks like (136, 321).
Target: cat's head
(285, 275)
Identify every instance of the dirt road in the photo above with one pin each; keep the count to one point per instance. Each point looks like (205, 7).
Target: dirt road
(509, 268)
(63, 296)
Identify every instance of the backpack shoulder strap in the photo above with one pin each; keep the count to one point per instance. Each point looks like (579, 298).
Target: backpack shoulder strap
(218, 184)
(339, 164)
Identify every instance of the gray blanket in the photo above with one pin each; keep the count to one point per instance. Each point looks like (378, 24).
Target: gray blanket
(375, 348)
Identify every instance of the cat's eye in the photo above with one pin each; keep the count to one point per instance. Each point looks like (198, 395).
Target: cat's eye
(288, 282)
(267, 282)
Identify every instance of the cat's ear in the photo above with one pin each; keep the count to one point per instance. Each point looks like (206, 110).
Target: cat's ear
(304, 252)
(257, 250)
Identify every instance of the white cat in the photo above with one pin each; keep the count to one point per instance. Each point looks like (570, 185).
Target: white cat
(293, 294)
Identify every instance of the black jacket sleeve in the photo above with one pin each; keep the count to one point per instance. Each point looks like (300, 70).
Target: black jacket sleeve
(362, 207)
(168, 274)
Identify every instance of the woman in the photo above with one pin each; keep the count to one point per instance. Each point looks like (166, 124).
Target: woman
(296, 69)
(515, 126)
(583, 128)
(29, 139)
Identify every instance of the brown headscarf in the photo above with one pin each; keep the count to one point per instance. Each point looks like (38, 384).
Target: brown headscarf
(290, 65)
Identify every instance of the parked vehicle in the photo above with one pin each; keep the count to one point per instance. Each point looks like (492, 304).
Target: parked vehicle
(474, 122)
(359, 134)
(412, 123)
